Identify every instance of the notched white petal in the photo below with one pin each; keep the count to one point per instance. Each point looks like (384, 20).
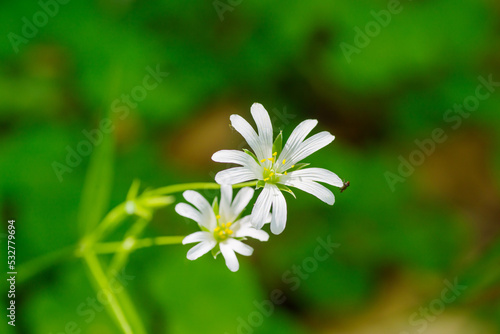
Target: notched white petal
(318, 175)
(248, 133)
(234, 175)
(279, 213)
(188, 211)
(229, 257)
(197, 237)
(265, 127)
(243, 197)
(237, 157)
(308, 147)
(252, 233)
(262, 207)
(200, 202)
(239, 247)
(200, 249)
(314, 189)
(225, 202)
(297, 137)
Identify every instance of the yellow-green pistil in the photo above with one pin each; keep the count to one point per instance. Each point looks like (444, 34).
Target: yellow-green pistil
(270, 174)
(222, 231)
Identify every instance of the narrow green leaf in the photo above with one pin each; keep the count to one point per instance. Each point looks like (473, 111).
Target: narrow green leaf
(215, 205)
(98, 181)
(215, 251)
(298, 166)
(134, 190)
(282, 187)
(120, 258)
(97, 187)
(278, 144)
(119, 305)
(260, 184)
(250, 153)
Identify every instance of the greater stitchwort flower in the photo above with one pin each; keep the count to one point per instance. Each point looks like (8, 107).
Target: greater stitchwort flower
(276, 167)
(222, 229)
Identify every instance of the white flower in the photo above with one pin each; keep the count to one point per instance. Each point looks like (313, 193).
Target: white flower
(275, 167)
(220, 225)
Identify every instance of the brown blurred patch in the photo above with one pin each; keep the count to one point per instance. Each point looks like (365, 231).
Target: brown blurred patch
(399, 298)
(192, 145)
(460, 171)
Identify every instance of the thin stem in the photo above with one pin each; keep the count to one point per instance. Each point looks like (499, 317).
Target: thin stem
(120, 258)
(110, 221)
(107, 225)
(114, 306)
(42, 263)
(199, 185)
(117, 246)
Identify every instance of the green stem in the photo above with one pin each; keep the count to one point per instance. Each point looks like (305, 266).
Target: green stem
(42, 263)
(110, 221)
(199, 185)
(121, 257)
(117, 246)
(114, 307)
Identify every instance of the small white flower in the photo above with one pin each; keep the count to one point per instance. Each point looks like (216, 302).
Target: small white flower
(220, 225)
(275, 167)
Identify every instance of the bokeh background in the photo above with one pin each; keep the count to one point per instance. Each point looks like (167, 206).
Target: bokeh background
(397, 245)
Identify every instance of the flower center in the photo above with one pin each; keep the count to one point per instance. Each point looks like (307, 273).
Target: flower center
(271, 174)
(223, 231)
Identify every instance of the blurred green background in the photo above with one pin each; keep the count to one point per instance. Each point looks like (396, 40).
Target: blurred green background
(397, 243)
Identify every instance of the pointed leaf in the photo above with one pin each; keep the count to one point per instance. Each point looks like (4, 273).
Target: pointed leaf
(134, 190)
(260, 184)
(298, 166)
(215, 206)
(97, 187)
(278, 144)
(215, 251)
(282, 187)
(250, 153)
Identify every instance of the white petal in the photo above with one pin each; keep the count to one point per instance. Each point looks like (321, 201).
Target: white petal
(246, 130)
(239, 247)
(316, 174)
(197, 237)
(234, 175)
(229, 256)
(201, 249)
(279, 213)
(243, 197)
(314, 189)
(188, 211)
(252, 233)
(237, 157)
(308, 147)
(208, 216)
(268, 218)
(297, 137)
(226, 192)
(262, 206)
(265, 127)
